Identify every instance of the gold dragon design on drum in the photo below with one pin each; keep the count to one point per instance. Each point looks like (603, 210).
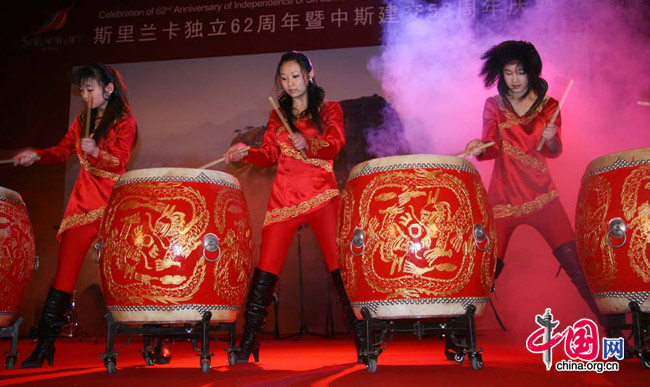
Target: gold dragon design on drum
(597, 256)
(638, 217)
(17, 257)
(238, 245)
(488, 260)
(418, 224)
(141, 249)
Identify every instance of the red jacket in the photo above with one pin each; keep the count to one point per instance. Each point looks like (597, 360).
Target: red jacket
(97, 175)
(521, 183)
(301, 184)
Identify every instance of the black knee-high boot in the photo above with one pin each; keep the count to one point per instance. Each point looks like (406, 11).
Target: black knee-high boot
(567, 256)
(49, 328)
(355, 325)
(259, 298)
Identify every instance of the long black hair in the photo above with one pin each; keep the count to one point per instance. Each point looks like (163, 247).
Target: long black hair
(512, 51)
(118, 104)
(315, 93)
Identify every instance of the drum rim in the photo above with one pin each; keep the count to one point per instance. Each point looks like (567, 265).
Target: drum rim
(422, 158)
(607, 162)
(11, 195)
(182, 174)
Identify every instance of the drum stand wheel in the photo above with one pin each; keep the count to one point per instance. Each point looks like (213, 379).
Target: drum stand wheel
(640, 333)
(11, 331)
(198, 331)
(459, 333)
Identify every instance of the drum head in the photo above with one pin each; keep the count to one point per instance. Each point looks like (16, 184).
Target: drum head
(180, 174)
(628, 158)
(411, 162)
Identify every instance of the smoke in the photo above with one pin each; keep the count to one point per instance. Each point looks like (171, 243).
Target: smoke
(430, 63)
(429, 71)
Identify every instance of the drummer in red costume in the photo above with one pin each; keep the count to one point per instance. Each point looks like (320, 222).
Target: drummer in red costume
(304, 190)
(521, 189)
(103, 156)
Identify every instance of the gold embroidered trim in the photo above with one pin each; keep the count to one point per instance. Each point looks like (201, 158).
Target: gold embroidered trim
(505, 210)
(317, 144)
(523, 157)
(107, 160)
(279, 214)
(511, 117)
(97, 171)
(293, 153)
(81, 219)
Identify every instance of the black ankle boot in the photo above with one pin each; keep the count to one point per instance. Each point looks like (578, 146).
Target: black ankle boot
(499, 268)
(259, 298)
(49, 327)
(567, 256)
(356, 326)
(497, 273)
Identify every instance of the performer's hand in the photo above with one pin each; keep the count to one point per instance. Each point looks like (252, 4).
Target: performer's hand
(89, 146)
(25, 158)
(235, 153)
(298, 140)
(473, 148)
(549, 132)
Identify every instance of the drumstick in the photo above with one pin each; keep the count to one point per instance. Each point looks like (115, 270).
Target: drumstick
(10, 161)
(284, 120)
(557, 112)
(643, 103)
(217, 161)
(480, 147)
(90, 107)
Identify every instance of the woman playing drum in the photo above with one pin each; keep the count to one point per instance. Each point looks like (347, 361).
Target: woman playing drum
(304, 190)
(102, 137)
(522, 190)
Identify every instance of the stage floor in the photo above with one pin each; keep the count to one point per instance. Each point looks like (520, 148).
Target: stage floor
(315, 361)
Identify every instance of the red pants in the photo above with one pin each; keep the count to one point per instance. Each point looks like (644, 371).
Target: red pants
(72, 251)
(552, 222)
(277, 237)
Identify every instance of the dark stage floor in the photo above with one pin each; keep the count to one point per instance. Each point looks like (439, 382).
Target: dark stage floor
(316, 361)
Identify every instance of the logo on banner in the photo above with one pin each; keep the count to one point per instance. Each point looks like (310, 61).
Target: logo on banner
(581, 345)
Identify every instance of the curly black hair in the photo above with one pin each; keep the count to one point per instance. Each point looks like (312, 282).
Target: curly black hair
(513, 51)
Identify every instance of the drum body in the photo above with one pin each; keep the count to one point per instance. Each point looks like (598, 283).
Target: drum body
(175, 243)
(16, 253)
(416, 237)
(613, 230)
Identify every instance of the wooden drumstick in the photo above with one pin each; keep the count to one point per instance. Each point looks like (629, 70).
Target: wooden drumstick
(217, 161)
(284, 120)
(643, 103)
(90, 107)
(11, 161)
(557, 112)
(480, 147)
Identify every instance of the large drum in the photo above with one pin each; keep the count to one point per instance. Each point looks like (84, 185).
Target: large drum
(416, 237)
(613, 230)
(175, 243)
(17, 257)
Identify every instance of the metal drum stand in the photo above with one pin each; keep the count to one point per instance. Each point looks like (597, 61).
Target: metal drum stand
(459, 332)
(193, 332)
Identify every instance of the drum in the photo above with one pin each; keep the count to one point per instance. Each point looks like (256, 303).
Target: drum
(613, 230)
(416, 237)
(173, 244)
(17, 259)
